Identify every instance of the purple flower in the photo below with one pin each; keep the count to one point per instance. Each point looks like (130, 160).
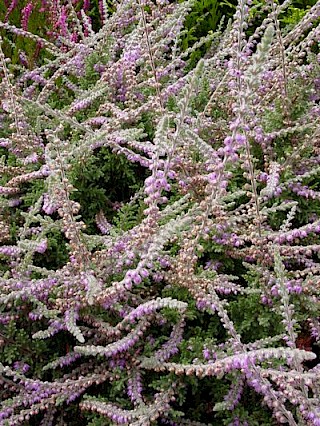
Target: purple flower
(25, 13)
(42, 246)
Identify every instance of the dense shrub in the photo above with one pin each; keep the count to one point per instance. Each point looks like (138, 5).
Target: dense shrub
(160, 219)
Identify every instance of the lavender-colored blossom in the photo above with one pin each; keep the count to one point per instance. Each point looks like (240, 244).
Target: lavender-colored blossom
(42, 246)
(26, 12)
(219, 156)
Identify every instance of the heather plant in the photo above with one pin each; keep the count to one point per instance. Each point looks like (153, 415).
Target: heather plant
(159, 221)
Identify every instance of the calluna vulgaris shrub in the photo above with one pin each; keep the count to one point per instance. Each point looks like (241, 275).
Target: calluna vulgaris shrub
(193, 297)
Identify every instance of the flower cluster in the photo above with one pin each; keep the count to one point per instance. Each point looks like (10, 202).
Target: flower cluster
(196, 253)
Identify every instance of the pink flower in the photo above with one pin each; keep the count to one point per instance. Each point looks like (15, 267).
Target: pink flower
(26, 12)
(42, 247)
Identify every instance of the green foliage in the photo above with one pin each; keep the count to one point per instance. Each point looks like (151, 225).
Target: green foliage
(102, 180)
(95, 420)
(295, 12)
(254, 320)
(19, 346)
(31, 193)
(203, 18)
(15, 45)
(128, 215)
(12, 352)
(56, 254)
